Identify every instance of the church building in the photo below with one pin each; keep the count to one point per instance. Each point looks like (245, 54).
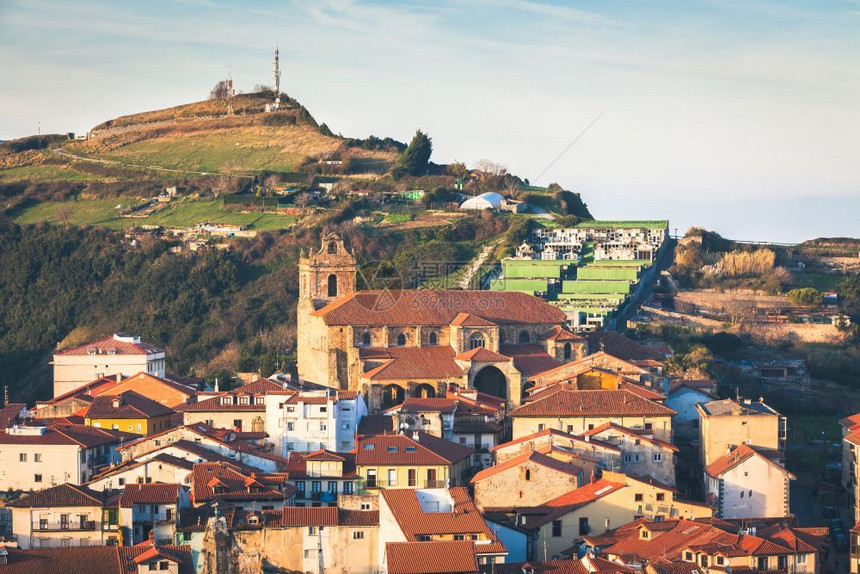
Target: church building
(397, 343)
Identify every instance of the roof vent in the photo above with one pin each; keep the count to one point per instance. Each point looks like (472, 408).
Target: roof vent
(116, 402)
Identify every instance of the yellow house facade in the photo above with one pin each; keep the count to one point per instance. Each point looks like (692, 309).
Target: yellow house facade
(129, 412)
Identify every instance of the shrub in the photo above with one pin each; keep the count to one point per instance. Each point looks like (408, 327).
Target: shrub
(807, 296)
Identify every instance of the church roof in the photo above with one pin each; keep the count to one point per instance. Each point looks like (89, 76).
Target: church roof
(411, 363)
(438, 307)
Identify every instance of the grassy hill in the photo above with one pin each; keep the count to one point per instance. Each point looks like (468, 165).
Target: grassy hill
(184, 141)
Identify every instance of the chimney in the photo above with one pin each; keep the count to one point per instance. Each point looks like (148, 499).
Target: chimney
(119, 377)
(116, 402)
(416, 437)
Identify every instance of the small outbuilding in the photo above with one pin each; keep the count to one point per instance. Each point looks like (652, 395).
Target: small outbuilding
(488, 200)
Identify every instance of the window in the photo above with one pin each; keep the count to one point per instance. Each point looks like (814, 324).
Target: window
(300, 486)
(591, 427)
(347, 488)
(312, 530)
(153, 565)
(528, 474)
(323, 427)
(365, 506)
(649, 426)
(556, 528)
(567, 350)
(237, 424)
(392, 477)
(332, 486)
(658, 457)
(476, 340)
(524, 337)
(22, 457)
(719, 560)
(569, 429)
(433, 339)
(323, 409)
(37, 457)
(164, 565)
(37, 478)
(541, 427)
(412, 477)
(392, 449)
(290, 426)
(316, 486)
(423, 538)
(401, 339)
(291, 409)
(344, 426)
(332, 285)
(801, 558)
(638, 497)
(688, 556)
(661, 496)
(410, 449)
(628, 458)
(366, 339)
(121, 482)
(358, 535)
(459, 537)
(583, 526)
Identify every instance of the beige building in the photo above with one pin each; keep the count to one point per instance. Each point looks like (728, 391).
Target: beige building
(395, 343)
(119, 354)
(641, 453)
(851, 461)
(576, 412)
(529, 479)
(746, 483)
(593, 509)
(65, 516)
(725, 424)
(33, 458)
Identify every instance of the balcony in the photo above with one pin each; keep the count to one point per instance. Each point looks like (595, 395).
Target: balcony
(362, 486)
(46, 526)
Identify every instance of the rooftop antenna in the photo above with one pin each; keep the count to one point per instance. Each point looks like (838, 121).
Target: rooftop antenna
(277, 75)
(230, 91)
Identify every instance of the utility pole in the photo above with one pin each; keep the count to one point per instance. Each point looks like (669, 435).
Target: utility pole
(319, 549)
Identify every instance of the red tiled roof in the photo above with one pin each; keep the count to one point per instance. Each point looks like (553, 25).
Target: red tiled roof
(215, 404)
(10, 413)
(624, 430)
(559, 333)
(152, 493)
(403, 450)
(109, 344)
(92, 388)
(414, 405)
(529, 359)
(309, 516)
(469, 320)
(76, 559)
(435, 557)
(69, 434)
(372, 425)
(562, 434)
(220, 481)
(482, 355)
(357, 517)
(131, 406)
(600, 359)
(739, 455)
(704, 386)
(412, 363)
(850, 421)
(549, 566)
(533, 456)
(642, 391)
(591, 403)
(62, 495)
(324, 455)
(438, 307)
(464, 519)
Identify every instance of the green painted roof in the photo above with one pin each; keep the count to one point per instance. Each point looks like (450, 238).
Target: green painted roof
(533, 268)
(595, 287)
(607, 273)
(648, 224)
(526, 285)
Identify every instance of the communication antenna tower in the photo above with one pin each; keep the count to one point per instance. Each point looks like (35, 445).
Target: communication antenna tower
(277, 76)
(230, 91)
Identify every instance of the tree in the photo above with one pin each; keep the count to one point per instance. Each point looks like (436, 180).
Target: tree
(415, 159)
(849, 291)
(220, 91)
(806, 296)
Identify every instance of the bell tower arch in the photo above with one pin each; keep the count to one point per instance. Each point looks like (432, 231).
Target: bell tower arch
(327, 274)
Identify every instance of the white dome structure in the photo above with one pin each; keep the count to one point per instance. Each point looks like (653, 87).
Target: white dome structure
(488, 200)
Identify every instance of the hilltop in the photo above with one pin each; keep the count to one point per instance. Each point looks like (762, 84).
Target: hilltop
(196, 139)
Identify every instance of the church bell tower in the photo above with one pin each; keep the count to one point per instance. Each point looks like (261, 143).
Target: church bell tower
(327, 275)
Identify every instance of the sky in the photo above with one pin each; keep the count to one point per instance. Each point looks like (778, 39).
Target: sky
(741, 116)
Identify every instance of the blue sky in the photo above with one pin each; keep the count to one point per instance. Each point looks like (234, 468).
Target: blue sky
(741, 116)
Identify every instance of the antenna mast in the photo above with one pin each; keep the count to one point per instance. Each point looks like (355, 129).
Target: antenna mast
(230, 91)
(277, 75)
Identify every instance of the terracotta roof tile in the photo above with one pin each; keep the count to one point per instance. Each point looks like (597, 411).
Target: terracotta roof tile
(414, 405)
(591, 403)
(62, 495)
(463, 519)
(221, 481)
(529, 359)
(11, 413)
(469, 320)
(438, 307)
(559, 333)
(403, 363)
(152, 493)
(131, 405)
(482, 355)
(549, 566)
(109, 345)
(403, 450)
(740, 454)
(69, 434)
(437, 557)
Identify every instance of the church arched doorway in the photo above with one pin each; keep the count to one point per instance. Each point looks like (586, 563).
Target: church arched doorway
(392, 395)
(425, 391)
(492, 381)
